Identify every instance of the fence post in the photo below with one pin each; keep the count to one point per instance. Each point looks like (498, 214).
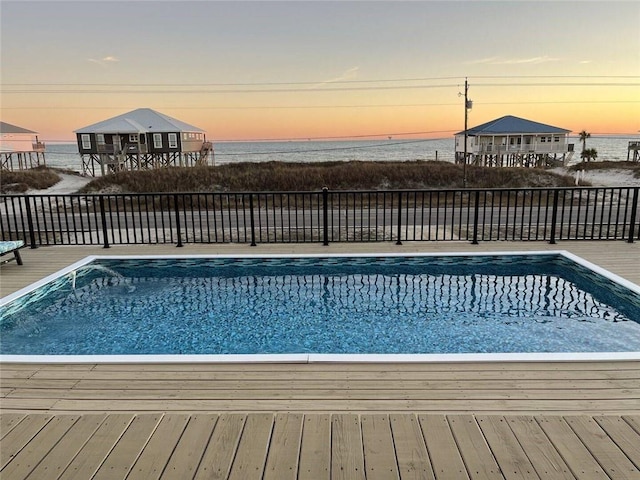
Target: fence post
(103, 217)
(32, 233)
(634, 211)
(253, 225)
(554, 218)
(399, 242)
(175, 205)
(476, 212)
(325, 216)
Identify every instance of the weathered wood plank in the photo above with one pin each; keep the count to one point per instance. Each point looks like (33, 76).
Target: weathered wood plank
(8, 421)
(634, 421)
(93, 452)
(379, 451)
(347, 461)
(625, 437)
(33, 452)
(123, 455)
(218, 456)
(475, 452)
(187, 455)
(155, 455)
(382, 375)
(282, 458)
(315, 448)
(411, 451)
(20, 436)
(383, 393)
(512, 460)
(604, 450)
(543, 456)
(61, 455)
(572, 450)
(443, 451)
(252, 450)
(448, 406)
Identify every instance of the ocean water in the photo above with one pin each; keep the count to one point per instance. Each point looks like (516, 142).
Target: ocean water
(65, 155)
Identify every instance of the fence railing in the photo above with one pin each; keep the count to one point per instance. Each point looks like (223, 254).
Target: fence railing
(474, 215)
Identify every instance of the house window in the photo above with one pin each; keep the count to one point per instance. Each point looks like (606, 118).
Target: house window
(543, 139)
(157, 140)
(133, 137)
(100, 138)
(556, 139)
(173, 140)
(86, 141)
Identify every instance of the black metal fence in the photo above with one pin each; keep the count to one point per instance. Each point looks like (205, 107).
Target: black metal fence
(536, 214)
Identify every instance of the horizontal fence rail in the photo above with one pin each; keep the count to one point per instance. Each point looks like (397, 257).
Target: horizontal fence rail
(537, 214)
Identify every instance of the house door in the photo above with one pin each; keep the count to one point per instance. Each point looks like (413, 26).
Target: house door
(117, 145)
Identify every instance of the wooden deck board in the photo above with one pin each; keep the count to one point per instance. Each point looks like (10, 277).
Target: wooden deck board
(315, 448)
(368, 446)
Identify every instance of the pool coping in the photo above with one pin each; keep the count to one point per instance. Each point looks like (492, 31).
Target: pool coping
(326, 358)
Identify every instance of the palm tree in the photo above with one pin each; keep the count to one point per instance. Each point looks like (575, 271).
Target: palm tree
(589, 154)
(583, 135)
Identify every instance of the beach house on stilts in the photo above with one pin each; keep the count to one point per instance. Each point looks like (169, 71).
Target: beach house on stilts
(142, 139)
(20, 148)
(513, 142)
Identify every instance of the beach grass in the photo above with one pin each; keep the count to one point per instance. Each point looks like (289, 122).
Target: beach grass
(20, 181)
(355, 175)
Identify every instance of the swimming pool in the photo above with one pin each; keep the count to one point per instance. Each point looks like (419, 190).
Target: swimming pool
(307, 308)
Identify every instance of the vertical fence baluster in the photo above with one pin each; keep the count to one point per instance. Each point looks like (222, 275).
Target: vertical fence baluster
(554, 218)
(398, 241)
(325, 216)
(476, 211)
(32, 233)
(634, 211)
(253, 222)
(177, 213)
(103, 218)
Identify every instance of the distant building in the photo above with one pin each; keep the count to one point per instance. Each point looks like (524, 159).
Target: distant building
(20, 148)
(142, 139)
(514, 142)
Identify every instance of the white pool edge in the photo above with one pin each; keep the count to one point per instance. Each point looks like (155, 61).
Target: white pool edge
(328, 358)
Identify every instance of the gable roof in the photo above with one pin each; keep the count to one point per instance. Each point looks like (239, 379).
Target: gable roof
(512, 125)
(8, 128)
(142, 120)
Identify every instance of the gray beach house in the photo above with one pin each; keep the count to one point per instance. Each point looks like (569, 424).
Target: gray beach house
(514, 142)
(20, 148)
(142, 139)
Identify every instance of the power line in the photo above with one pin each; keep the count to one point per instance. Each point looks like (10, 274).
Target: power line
(296, 107)
(317, 82)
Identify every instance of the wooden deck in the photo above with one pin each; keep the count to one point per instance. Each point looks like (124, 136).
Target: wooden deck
(325, 420)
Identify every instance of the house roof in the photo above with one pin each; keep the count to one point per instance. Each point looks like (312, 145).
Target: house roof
(512, 125)
(142, 120)
(8, 128)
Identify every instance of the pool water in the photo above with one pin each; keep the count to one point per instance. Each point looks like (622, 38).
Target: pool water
(333, 304)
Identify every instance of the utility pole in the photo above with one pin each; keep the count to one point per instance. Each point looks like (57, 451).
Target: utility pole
(467, 106)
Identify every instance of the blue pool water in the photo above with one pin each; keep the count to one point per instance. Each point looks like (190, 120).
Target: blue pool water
(415, 304)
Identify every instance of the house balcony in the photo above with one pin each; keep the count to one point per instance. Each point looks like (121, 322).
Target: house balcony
(38, 146)
(520, 149)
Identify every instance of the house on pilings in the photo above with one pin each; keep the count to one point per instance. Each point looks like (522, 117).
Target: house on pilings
(20, 148)
(142, 139)
(514, 142)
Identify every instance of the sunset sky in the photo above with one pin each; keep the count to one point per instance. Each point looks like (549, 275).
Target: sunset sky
(296, 70)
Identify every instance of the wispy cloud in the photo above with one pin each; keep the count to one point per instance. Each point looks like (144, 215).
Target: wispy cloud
(349, 74)
(104, 61)
(514, 61)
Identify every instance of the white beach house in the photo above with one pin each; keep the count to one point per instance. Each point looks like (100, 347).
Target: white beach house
(20, 148)
(142, 139)
(513, 142)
